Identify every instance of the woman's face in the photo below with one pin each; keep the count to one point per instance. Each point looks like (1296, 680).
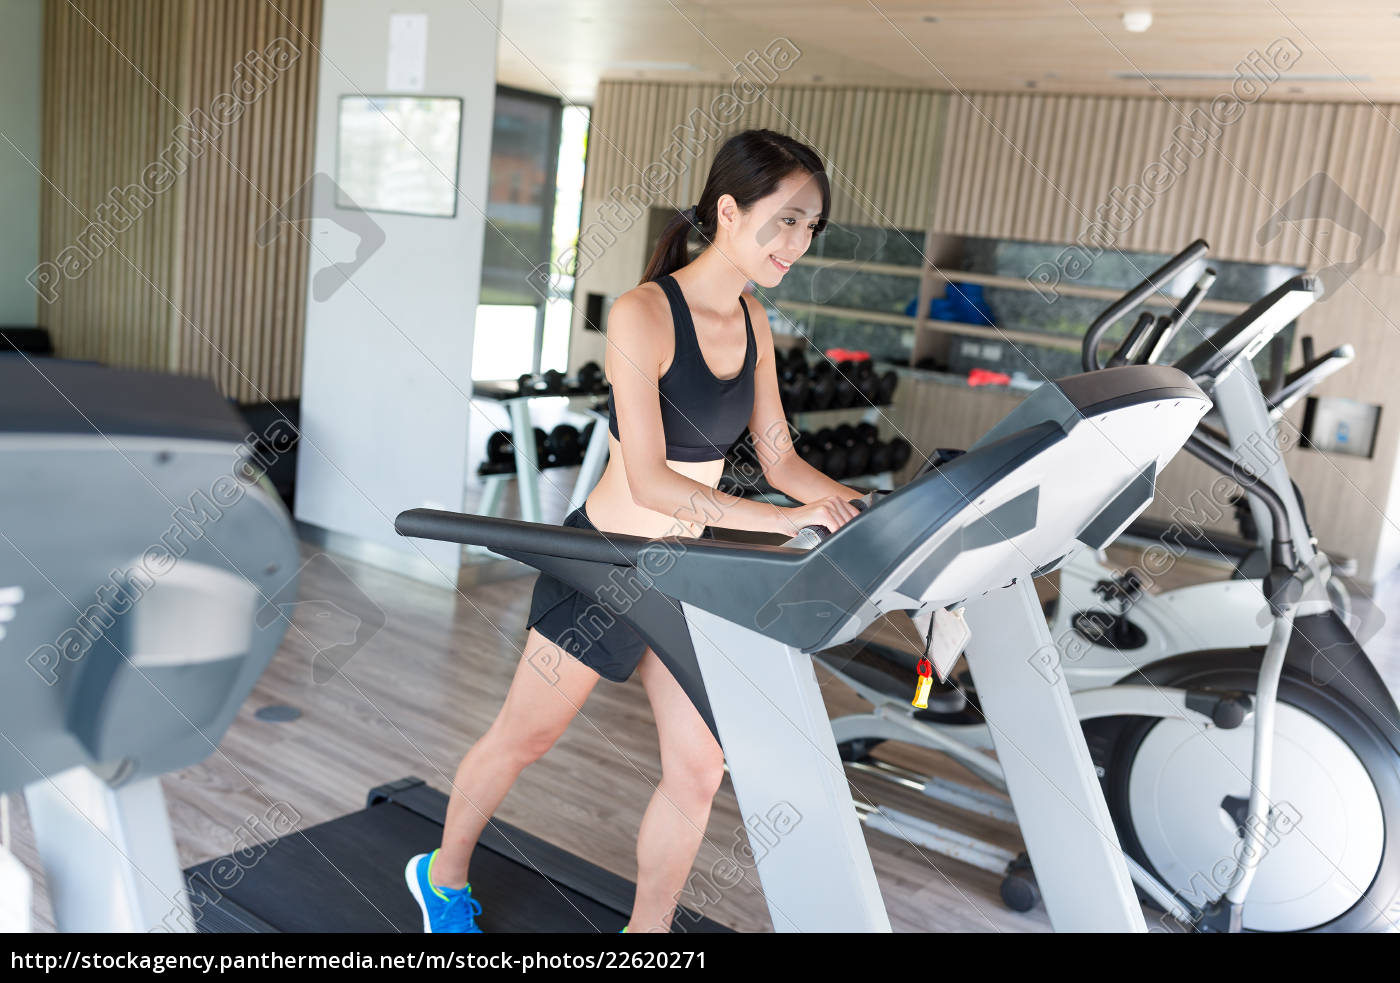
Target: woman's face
(767, 239)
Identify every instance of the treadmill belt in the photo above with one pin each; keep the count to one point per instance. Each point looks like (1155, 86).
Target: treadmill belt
(347, 875)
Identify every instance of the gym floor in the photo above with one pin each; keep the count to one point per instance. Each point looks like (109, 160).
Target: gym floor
(412, 700)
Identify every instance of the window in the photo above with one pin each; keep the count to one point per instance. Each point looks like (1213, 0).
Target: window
(532, 214)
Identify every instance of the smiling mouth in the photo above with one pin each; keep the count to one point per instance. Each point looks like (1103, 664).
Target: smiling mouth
(780, 264)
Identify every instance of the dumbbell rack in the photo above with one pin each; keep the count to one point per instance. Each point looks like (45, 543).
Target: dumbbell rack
(527, 464)
(869, 414)
(837, 389)
(759, 491)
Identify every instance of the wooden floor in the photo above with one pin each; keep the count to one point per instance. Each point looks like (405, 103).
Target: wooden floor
(428, 683)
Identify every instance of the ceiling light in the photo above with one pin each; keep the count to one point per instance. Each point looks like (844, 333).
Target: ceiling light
(658, 66)
(1231, 76)
(1137, 21)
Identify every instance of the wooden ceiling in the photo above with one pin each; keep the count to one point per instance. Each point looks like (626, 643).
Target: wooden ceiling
(1341, 50)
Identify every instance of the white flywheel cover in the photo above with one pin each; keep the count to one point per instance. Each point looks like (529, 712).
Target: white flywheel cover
(1329, 841)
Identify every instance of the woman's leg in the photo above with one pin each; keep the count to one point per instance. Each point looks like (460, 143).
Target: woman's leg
(692, 767)
(549, 688)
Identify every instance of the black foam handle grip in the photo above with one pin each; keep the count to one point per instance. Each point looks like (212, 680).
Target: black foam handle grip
(822, 531)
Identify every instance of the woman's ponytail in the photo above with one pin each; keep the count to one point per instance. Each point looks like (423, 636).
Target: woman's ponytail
(673, 247)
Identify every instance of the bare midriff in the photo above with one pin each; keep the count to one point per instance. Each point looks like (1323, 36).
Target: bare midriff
(610, 507)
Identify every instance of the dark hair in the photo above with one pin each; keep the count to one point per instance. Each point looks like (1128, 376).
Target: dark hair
(749, 167)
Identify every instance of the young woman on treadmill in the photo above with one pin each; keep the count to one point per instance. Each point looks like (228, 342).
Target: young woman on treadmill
(690, 361)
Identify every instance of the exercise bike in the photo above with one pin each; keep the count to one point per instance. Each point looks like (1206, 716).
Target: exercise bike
(1267, 773)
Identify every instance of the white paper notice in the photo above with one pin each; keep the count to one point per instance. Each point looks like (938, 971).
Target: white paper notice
(408, 52)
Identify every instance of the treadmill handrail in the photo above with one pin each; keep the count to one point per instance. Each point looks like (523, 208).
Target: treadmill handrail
(517, 536)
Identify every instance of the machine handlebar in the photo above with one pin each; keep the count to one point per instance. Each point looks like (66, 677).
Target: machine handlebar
(1135, 297)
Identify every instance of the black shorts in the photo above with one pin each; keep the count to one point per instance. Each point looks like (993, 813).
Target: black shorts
(581, 626)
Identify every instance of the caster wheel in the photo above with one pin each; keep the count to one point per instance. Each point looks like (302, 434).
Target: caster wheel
(1019, 891)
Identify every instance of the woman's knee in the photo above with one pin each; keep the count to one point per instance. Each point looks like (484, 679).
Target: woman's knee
(694, 775)
(522, 742)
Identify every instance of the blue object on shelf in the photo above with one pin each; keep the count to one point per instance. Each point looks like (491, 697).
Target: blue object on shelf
(963, 304)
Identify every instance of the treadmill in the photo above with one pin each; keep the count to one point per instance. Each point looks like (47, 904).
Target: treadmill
(736, 624)
(98, 466)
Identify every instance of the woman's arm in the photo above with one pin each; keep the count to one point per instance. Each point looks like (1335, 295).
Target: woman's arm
(772, 439)
(635, 351)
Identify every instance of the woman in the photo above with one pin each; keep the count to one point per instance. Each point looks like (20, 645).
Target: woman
(691, 364)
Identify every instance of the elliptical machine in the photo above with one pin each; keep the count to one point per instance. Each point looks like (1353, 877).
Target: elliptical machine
(1237, 772)
(1098, 607)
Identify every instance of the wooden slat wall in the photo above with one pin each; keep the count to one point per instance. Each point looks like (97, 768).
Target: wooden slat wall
(184, 287)
(1015, 167)
(1364, 158)
(1039, 167)
(1227, 193)
(1034, 167)
(880, 145)
(111, 77)
(241, 318)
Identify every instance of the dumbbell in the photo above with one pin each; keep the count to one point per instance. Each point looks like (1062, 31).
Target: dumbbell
(833, 450)
(563, 446)
(863, 378)
(858, 458)
(807, 449)
(821, 394)
(846, 392)
(549, 383)
(590, 378)
(837, 463)
(879, 457)
(899, 453)
(794, 391)
(499, 449)
(863, 440)
(858, 442)
(885, 389)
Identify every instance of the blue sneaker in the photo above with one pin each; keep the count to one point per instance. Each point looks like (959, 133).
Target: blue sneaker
(444, 910)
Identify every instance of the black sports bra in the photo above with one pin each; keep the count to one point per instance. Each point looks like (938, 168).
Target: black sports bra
(701, 415)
